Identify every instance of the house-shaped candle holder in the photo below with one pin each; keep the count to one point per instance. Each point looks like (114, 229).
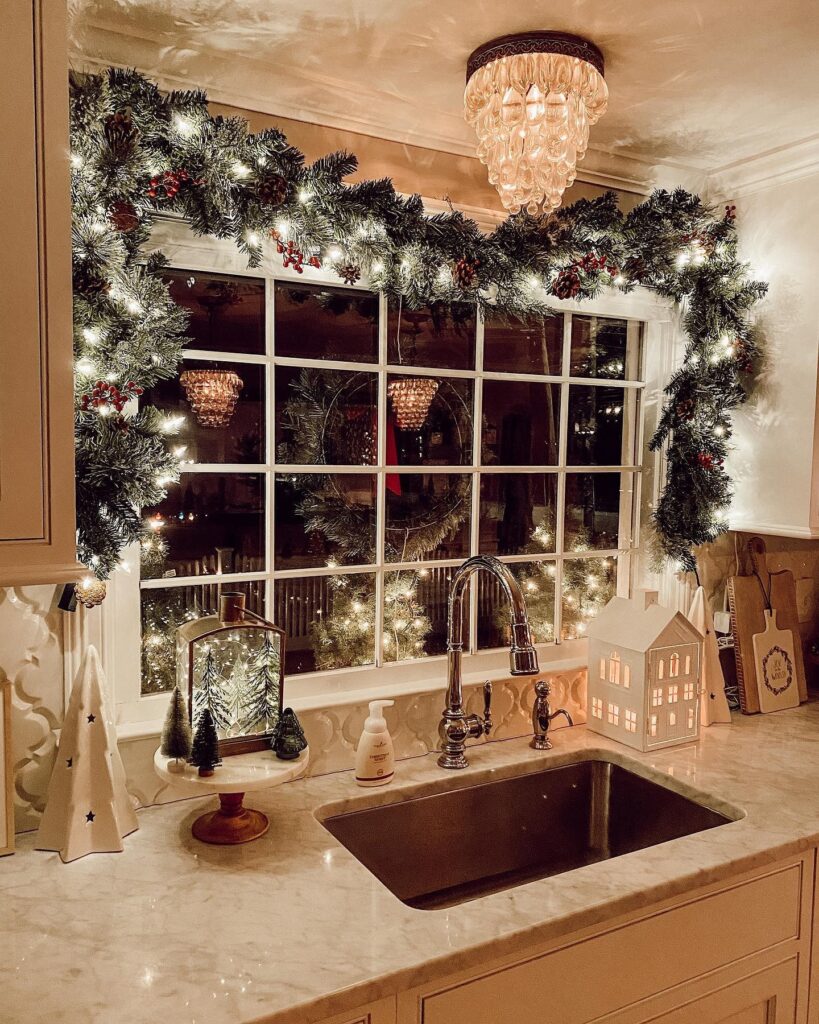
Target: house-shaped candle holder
(644, 674)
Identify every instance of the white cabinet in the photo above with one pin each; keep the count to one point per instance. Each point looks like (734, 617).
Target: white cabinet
(735, 953)
(775, 462)
(37, 520)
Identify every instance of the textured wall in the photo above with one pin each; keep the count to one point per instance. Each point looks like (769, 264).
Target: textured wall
(39, 644)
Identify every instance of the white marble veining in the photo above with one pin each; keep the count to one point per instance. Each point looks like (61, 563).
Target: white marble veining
(291, 928)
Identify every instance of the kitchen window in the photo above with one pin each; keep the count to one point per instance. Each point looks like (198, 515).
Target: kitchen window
(369, 449)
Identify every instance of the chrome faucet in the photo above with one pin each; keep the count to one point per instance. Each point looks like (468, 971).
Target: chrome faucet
(543, 716)
(456, 726)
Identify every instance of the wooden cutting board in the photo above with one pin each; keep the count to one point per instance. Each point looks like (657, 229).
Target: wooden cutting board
(748, 604)
(774, 654)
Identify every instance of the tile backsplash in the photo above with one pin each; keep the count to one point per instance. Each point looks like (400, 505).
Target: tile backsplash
(32, 656)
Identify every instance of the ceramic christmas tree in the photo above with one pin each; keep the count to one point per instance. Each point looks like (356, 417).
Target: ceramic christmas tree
(88, 809)
(205, 751)
(176, 733)
(713, 702)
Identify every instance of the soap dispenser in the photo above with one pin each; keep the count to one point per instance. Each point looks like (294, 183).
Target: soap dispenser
(375, 758)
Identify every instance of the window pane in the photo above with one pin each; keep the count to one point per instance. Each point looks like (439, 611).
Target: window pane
(415, 613)
(601, 347)
(518, 513)
(324, 518)
(521, 423)
(164, 610)
(532, 347)
(537, 579)
(588, 585)
(211, 522)
(596, 416)
(429, 421)
(329, 621)
(428, 516)
(214, 429)
(593, 510)
(325, 417)
(319, 322)
(227, 313)
(436, 335)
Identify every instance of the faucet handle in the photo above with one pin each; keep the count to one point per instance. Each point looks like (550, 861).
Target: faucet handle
(487, 707)
(543, 688)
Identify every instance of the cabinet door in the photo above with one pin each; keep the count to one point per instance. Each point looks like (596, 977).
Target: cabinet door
(382, 1012)
(768, 997)
(37, 543)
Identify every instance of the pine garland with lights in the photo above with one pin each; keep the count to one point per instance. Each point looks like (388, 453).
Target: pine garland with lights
(138, 154)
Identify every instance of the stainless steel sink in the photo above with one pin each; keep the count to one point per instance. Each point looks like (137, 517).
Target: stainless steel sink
(448, 847)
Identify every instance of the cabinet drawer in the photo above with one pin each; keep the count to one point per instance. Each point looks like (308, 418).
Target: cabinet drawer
(629, 962)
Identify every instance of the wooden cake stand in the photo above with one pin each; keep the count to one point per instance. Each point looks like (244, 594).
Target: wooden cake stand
(231, 822)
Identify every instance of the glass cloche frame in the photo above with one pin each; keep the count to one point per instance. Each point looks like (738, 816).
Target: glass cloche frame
(233, 663)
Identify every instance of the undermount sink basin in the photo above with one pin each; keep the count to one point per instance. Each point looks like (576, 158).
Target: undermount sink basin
(448, 847)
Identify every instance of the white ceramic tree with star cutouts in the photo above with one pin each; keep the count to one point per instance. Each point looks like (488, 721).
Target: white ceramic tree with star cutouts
(88, 809)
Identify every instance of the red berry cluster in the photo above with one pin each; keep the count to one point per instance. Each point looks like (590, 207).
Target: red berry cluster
(744, 359)
(169, 183)
(591, 262)
(104, 393)
(708, 461)
(730, 213)
(293, 257)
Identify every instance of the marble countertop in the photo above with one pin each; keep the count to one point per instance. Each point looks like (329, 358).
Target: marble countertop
(292, 928)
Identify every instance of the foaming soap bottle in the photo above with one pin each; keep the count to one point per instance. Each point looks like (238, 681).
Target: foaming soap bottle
(375, 757)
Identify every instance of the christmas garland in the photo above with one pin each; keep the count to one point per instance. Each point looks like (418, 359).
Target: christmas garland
(137, 153)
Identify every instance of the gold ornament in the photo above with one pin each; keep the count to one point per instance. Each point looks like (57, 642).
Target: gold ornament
(411, 399)
(90, 591)
(212, 395)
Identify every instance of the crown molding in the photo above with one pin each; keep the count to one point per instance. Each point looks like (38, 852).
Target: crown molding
(765, 170)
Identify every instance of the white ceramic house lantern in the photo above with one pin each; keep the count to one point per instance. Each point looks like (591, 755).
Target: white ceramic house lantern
(644, 673)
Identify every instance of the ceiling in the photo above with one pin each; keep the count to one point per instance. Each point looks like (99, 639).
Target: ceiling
(697, 84)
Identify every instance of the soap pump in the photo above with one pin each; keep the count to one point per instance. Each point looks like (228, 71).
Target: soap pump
(374, 758)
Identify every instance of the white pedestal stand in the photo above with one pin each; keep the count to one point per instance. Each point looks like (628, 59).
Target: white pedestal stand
(231, 822)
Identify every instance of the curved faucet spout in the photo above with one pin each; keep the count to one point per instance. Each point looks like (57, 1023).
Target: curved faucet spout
(456, 727)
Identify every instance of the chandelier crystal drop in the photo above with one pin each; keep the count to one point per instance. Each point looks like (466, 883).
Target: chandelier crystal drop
(212, 395)
(531, 100)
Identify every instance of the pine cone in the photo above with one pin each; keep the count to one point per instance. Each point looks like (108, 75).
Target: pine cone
(685, 409)
(567, 284)
(87, 283)
(349, 273)
(123, 215)
(120, 134)
(272, 190)
(465, 273)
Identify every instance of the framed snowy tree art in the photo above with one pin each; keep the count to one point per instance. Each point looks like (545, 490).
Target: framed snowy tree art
(231, 665)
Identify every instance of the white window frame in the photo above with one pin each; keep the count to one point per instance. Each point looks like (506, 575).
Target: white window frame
(120, 639)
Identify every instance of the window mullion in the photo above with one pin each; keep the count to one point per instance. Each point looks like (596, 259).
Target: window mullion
(475, 525)
(563, 442)
(270, 444)
(381, 481)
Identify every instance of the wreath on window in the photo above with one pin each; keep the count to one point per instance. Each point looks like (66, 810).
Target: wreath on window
(329, 419)
(138, 153)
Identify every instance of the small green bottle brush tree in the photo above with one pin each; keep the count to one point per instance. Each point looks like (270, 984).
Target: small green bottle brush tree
(176, 733)
(205, 749)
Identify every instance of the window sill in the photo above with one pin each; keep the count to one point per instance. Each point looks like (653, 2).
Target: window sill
(553, 658)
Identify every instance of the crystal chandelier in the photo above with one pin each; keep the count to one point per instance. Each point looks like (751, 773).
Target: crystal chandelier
(531, 99)
(212, 395)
